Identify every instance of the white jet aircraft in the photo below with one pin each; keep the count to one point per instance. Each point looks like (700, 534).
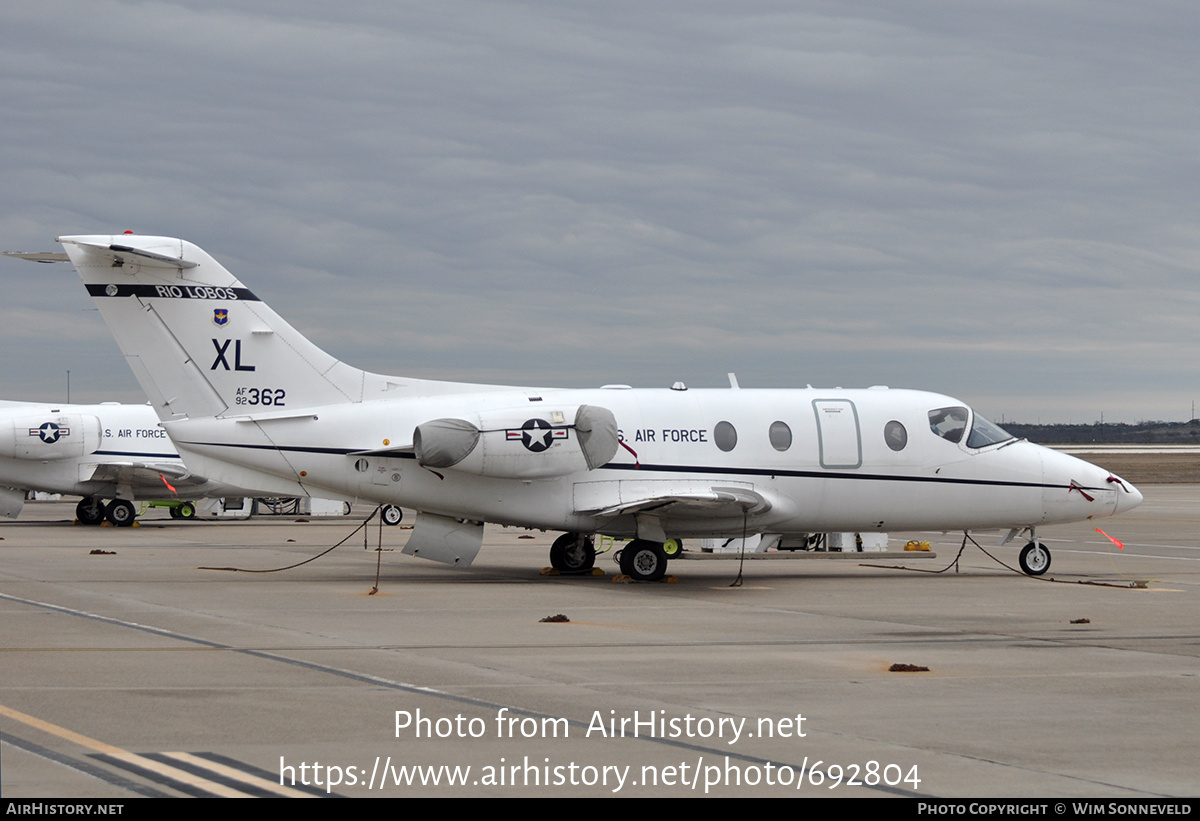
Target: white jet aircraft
(250, 401)
(118, 452)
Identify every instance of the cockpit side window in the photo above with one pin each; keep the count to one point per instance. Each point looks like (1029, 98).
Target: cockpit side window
(984, 433)
(949, 423)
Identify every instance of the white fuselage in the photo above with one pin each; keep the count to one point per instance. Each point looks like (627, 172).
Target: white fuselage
(840, 476)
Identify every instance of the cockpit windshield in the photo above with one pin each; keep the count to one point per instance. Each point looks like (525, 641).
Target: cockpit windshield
(984, 433)
(951, 424)
(948, 423)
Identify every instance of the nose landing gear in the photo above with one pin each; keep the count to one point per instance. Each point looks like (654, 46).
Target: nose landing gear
(1035, 558)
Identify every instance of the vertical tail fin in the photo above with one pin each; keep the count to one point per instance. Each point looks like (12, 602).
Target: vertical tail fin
(200, 343)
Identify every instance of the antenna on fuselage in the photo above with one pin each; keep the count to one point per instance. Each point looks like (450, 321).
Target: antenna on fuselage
(733, 385)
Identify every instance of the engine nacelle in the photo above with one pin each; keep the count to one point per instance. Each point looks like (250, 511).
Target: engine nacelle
(512, 444)
(49, 436)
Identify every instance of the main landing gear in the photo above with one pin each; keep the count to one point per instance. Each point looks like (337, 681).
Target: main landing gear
(641, 560)
(573, 553)
(90, 510)
(118, 512)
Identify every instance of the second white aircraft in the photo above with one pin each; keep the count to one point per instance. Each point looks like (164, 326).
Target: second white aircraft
(251, 402)
(106, 451)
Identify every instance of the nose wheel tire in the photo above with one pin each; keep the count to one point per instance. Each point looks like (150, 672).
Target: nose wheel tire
(572, 553)
(643, 561)
(392, 515)
(1035, 559)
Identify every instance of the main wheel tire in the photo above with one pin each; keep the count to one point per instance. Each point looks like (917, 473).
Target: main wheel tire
(1035, 559)
(573, 553)
(186, 510)
(120, 512)
(643, 561)
(90, 510)
(392, 515)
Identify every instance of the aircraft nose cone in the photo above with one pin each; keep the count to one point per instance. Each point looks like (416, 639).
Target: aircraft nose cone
(1128, 496)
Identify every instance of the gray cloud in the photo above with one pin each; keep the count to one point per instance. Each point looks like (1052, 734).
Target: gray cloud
(995, 202)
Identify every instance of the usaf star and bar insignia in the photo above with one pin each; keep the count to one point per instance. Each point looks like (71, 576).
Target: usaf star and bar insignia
(50, 432)
(536, 435)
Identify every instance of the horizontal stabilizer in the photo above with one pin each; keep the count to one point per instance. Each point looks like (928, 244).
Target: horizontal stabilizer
(122, 255)
(39, 256)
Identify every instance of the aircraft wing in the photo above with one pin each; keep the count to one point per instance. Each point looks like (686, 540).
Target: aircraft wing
(681, 501)
(145, 474)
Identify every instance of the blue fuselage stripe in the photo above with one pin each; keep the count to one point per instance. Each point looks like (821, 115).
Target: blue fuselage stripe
(706, 469)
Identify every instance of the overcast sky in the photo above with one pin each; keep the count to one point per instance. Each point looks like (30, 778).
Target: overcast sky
(994, 200)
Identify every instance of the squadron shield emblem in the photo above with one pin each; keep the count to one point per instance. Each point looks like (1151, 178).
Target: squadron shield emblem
(220, 316)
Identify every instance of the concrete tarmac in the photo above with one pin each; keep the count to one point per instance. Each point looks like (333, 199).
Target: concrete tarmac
(134, 672)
